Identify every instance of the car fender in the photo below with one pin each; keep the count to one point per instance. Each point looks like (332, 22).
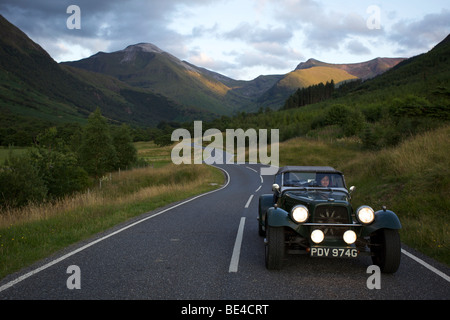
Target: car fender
(384, 219)
(277, 217)
(265, 202)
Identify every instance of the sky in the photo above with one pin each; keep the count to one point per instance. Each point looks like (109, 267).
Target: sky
(241, 39)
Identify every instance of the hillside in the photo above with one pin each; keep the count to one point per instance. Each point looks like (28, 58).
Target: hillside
(412, 97)
(147, 67)
(362, 70)
(427, 74)
(313, 72)
(36, 92)
(141, 85)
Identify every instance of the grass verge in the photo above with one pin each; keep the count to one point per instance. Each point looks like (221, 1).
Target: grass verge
(412, 179)
(35, 232)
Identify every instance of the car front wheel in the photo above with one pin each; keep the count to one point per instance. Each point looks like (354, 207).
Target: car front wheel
(274, 253)
(386, 250)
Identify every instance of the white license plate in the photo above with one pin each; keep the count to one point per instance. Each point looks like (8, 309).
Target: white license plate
(334, 252)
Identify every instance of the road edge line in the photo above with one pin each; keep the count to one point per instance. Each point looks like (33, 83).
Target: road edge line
(426, 265)
(94, 242)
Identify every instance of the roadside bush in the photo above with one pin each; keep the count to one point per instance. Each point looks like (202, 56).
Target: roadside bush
(60, 172)
(20, 182)
(349, 120)
(56, 166)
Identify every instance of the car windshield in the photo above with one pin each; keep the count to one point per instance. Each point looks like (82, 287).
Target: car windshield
(313, 179)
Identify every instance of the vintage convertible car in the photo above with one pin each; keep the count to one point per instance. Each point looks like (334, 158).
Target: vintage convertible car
(310, 213)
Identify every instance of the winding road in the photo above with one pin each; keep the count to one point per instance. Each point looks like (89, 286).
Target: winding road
(208, 248)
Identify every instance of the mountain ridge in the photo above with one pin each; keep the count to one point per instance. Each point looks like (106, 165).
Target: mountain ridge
(34, 86)
(146, 66)
(140, 84)
(216, 92)
(362, 70)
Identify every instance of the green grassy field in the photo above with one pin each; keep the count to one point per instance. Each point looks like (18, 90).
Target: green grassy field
(36, 231)
(6, 152)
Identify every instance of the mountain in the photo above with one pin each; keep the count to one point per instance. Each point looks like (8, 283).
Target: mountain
(314, 72)
(426, 75)
(35, 87)
(146, 66)
(362, 70)
(411, 98)
(141, 85)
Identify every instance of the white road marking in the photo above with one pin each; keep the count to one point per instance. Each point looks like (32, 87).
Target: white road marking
(248, 201)
(48, 265)
(260, 176)
(426, 265)
(237, 248)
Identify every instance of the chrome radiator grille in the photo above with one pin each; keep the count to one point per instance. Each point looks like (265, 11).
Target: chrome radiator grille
(331, 215)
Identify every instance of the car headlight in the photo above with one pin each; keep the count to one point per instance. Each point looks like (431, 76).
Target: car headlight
(350, 237)
(317, 236)
(300, 214)
(365, 214)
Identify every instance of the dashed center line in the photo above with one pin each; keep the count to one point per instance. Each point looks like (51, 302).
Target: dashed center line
(237, 247)
(248, 201)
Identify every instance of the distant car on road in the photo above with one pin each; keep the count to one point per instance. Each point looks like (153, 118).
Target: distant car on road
(310, 213)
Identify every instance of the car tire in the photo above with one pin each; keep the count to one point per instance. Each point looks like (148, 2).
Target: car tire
(274, 249)
(386, 250)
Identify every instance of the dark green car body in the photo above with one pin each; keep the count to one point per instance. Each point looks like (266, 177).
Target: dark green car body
(302, 193)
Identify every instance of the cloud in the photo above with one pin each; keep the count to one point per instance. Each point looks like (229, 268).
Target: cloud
(266, 46)
(114, 23)
(201, 59)
(356, 47)
(298, 11)
(232, 35)
(420, 35)
(255, 34)
(322, 28)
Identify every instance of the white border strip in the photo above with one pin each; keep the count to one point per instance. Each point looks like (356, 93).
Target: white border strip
(48, 265)
(426, 265)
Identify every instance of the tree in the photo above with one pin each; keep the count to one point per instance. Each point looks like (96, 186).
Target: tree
(337, 114)
(59, 171)
(57, 165)
(123, 143)
(309, 95)
(97, 153)
(163, 140)
(353, 124)
(20, 182)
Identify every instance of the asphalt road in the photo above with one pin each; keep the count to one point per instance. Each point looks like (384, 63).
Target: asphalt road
(208, 248)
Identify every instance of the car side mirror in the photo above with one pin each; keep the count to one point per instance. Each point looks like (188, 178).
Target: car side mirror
(275, 187)
(352, 189)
